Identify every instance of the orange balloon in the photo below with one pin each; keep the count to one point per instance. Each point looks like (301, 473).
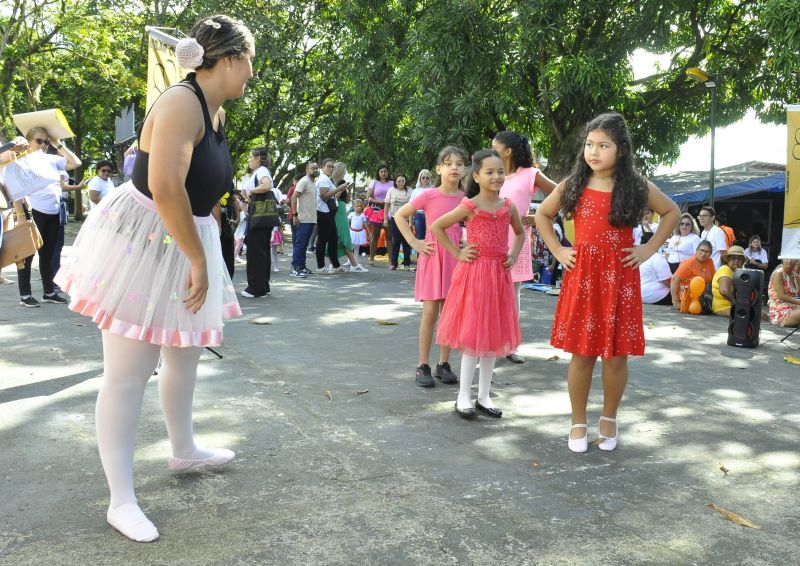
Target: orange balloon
(697, 286)
(695, 307)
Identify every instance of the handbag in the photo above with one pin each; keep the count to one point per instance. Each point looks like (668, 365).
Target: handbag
(263, 211)
(20, 242)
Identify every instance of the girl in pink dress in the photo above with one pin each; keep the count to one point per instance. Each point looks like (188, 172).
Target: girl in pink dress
(435, 266)
(599, 310)
(522, 179)
(479, 317)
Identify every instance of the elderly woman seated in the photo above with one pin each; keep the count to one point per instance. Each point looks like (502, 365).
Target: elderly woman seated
(700, 265)
(722, 284)
(784, 306)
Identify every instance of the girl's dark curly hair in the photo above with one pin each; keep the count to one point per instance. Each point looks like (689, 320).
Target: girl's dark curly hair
(473, 188)
(629, 197)
(521, 152)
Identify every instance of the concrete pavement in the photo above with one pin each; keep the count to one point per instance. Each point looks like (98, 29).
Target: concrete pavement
(380, 471)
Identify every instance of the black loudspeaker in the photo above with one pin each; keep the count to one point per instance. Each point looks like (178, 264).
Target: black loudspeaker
(745, 322)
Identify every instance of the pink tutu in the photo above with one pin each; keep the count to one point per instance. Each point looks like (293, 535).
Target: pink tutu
(480, 314)
(373, 215)
(128, 274)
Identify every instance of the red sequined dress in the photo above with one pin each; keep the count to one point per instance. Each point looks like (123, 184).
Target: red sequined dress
(599, 310)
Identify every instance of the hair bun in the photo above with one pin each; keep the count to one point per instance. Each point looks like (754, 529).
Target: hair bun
(189, 53)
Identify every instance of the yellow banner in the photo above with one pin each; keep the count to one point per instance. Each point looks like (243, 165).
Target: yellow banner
(790, 244)
(163, 70)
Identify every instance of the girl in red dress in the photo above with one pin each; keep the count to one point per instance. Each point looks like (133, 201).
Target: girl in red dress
(599, 310)
(480, 316)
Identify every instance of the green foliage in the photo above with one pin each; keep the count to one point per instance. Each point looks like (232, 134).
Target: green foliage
(372, 81)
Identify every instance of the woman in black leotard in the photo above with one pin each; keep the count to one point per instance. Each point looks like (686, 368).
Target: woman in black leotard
(147, 265)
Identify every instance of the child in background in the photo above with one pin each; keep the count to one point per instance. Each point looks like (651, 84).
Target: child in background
(435, 265)
(599, 310)
(480, 314)
(359, 234)
(522, 180)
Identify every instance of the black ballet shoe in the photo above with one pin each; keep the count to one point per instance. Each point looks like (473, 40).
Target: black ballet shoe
(468, 413)
(493, 412)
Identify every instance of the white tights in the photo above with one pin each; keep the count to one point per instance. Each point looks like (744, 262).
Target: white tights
(468, 364)
(128, 367)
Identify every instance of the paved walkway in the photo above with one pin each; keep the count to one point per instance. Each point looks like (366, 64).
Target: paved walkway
(379, 471)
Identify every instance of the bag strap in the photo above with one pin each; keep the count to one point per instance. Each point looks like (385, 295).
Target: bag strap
(26, 211)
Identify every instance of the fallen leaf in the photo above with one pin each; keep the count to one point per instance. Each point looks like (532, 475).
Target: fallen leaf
(651, 326)
(537, 465)
(792, 359)
(723, 469)
(733, 517)
(553, 358)
(329, 395)
(387, 323)
(362, 392)
(259, 321)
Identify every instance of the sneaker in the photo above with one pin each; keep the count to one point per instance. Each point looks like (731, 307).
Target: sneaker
(392, 268)
(297, 273)
(445, 373)
(306, 271)
(424, 377)
(238, 260)
(401, 268)
(327, 270)
(358, 269)
(28, 301)
(55, 298)
(340, 269)
(250, 295)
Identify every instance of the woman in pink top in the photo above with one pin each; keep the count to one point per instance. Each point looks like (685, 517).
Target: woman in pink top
(522, 179)
(435, 265)
(376, 200)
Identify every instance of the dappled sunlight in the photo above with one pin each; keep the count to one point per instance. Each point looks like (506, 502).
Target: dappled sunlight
(388, 312)
(501, 447)
(541, 404)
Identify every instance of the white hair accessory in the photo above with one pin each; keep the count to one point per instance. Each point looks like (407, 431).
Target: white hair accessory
(189, 53)
(212, 23)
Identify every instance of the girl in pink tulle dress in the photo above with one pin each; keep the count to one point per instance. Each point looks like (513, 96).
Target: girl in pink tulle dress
(435, 266)
(480, 316)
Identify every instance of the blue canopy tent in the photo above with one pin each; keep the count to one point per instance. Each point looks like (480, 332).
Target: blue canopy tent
(682, 192)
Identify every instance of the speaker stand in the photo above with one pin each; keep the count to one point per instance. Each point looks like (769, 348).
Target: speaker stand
(796, 328)
(219, 356)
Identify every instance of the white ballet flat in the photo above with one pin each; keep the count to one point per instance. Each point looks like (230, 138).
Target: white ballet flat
(220, 457)
(578, 444)
(608, 443)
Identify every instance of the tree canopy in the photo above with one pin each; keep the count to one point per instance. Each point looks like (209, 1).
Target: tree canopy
(373, 81)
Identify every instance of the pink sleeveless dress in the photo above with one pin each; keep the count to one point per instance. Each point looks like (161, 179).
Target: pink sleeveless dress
(480, 315)
(435, 271)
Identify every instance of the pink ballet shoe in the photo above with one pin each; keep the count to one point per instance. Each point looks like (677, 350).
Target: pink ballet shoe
(221, 457)
(129, 520)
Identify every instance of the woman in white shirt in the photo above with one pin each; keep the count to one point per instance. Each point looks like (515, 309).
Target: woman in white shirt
(258, 240)
(643, 231)
(756, 256)
(683, 244)
(424, 182)
(46, 204)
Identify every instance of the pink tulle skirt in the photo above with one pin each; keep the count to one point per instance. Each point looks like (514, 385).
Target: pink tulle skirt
(128, 274)
(480, 314)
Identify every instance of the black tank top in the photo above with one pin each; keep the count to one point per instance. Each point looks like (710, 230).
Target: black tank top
(210, 171)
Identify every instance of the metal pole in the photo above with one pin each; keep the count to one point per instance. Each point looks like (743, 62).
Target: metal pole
(713, 128)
